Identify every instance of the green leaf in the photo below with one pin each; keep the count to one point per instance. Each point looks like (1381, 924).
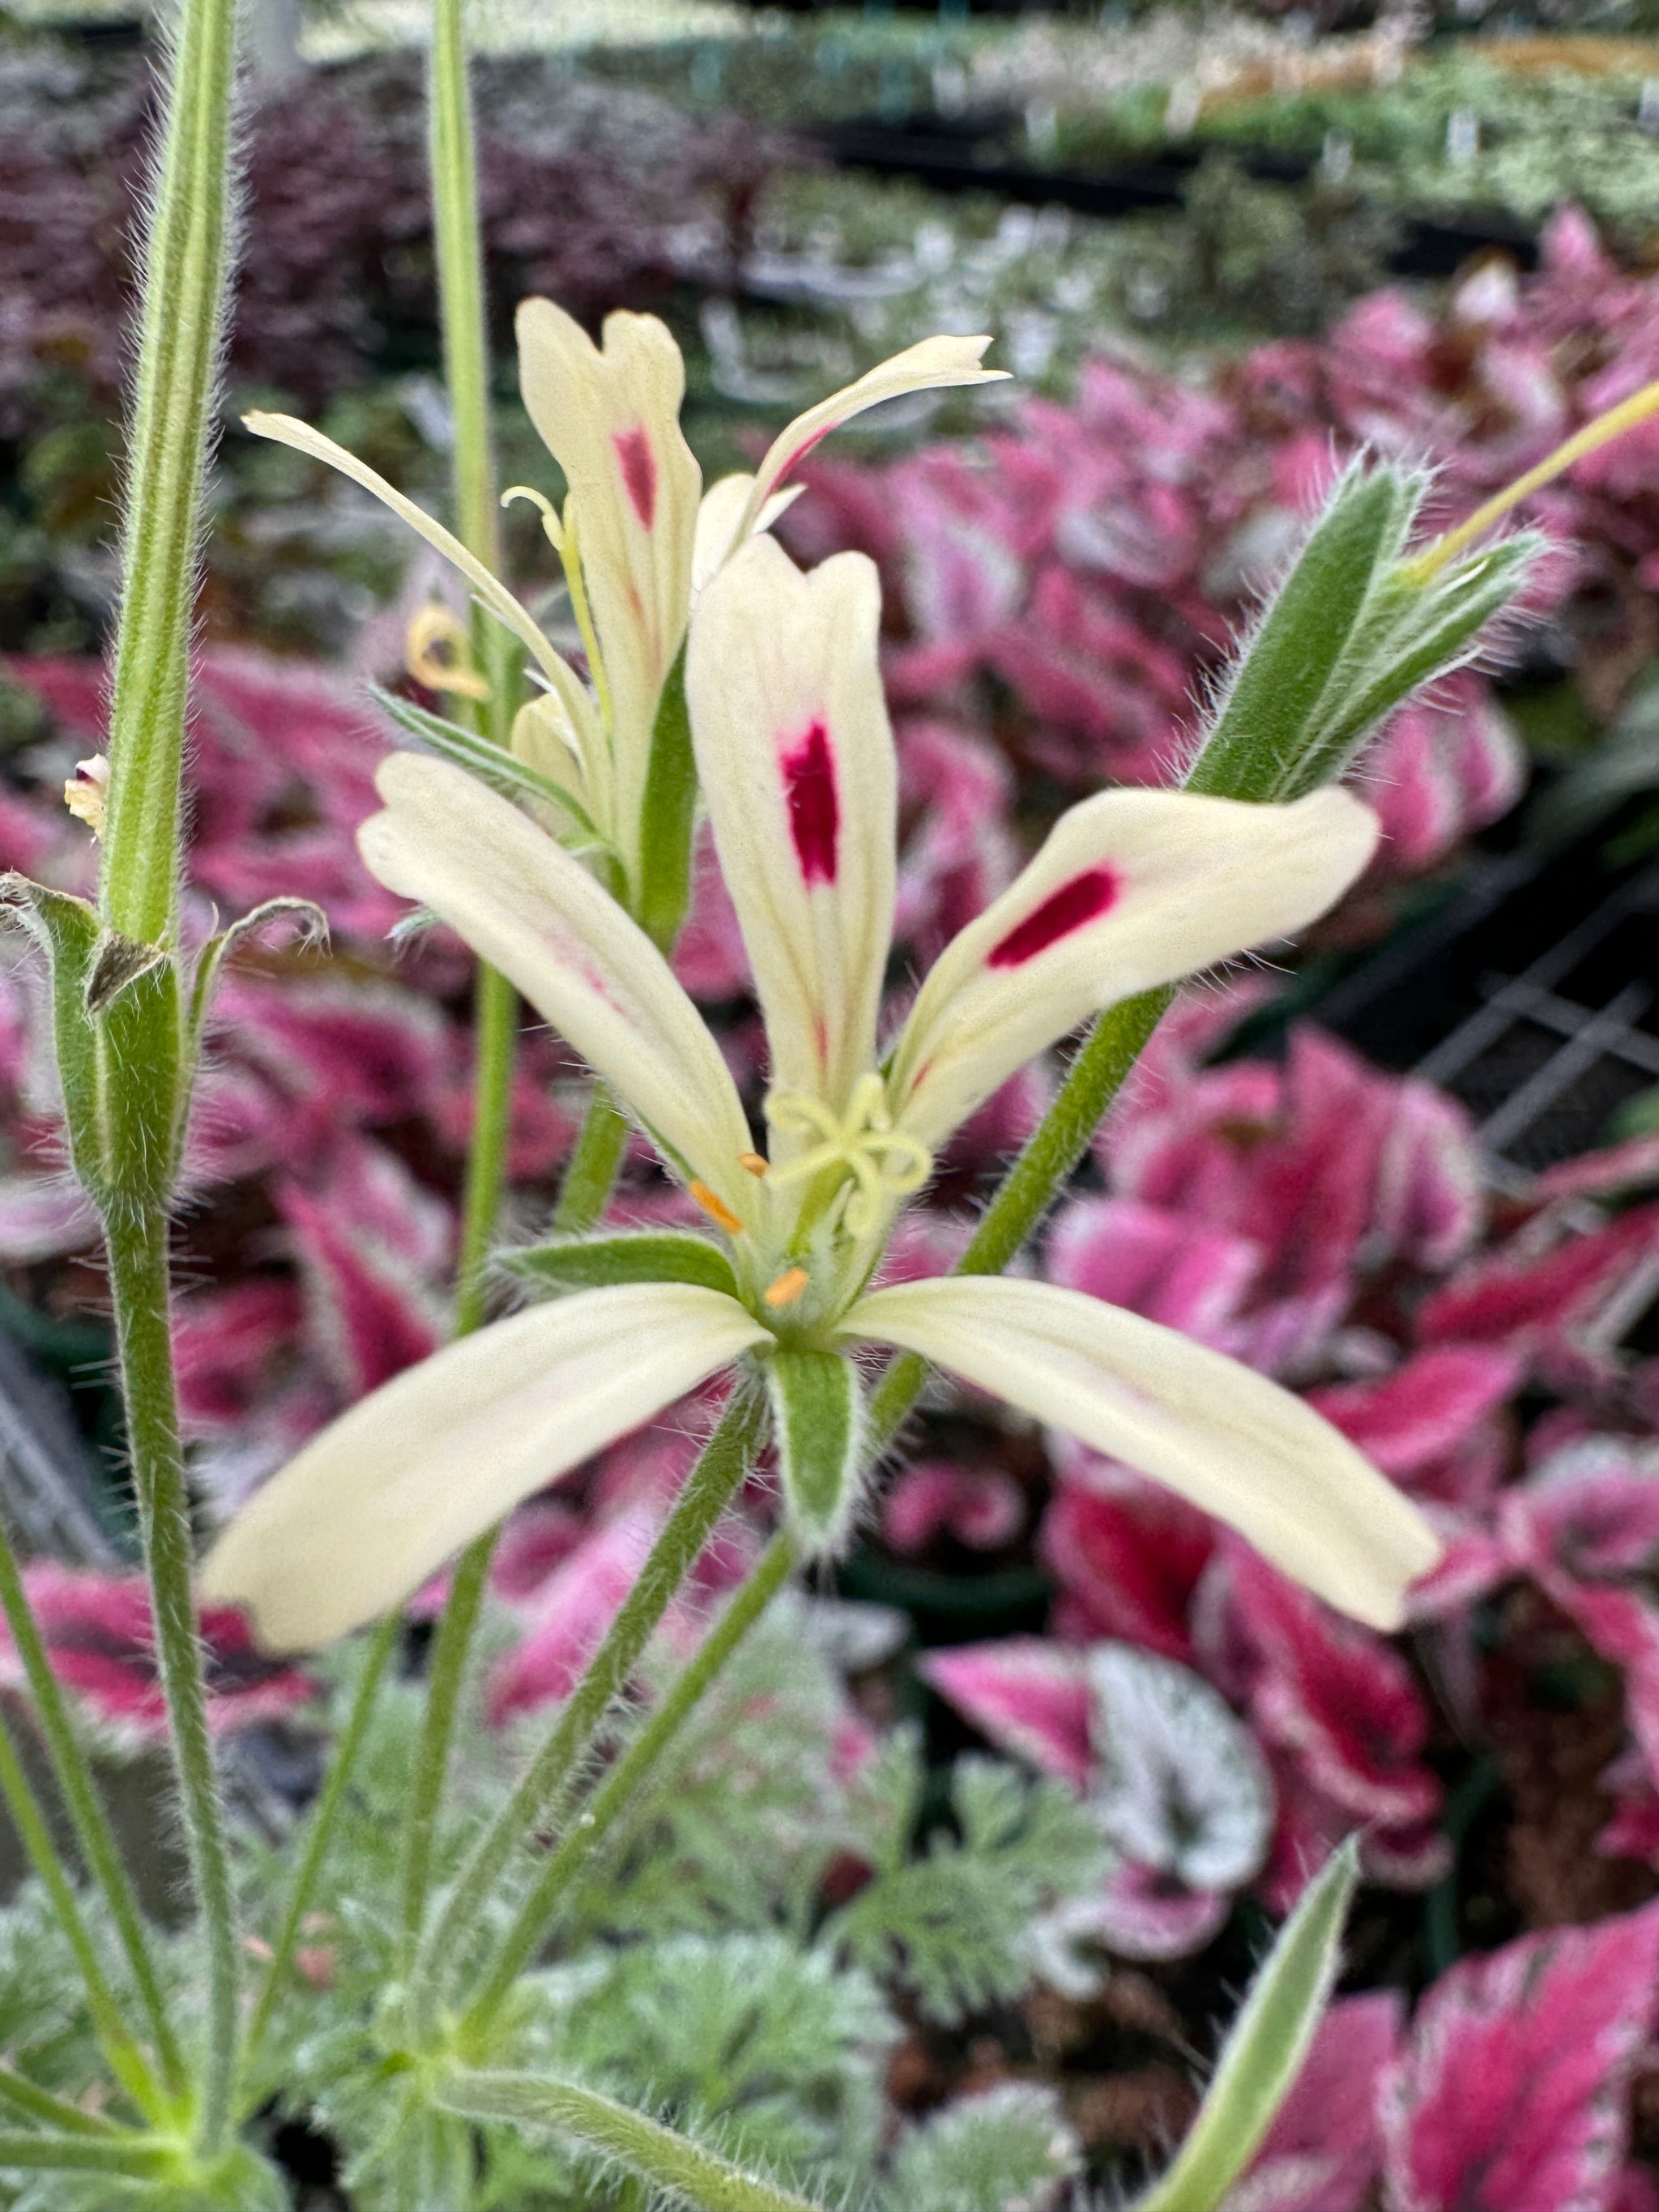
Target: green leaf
(481, 756)
(1264, 2053)
(665, 816)
(642, 1255)
(1256, 746)
(817, 1416)
(1010, 2147)
(962, 1927)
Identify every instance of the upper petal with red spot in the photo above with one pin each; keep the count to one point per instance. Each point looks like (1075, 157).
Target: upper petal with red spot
(1132, 889)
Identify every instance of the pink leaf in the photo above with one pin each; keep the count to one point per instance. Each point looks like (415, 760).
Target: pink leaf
(1028, 1696)
(1510, 2096)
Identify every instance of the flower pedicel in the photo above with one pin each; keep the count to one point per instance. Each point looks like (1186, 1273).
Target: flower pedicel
(795, 758)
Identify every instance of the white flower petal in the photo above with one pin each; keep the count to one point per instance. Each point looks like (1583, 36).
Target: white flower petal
(286, 430)
(796, 762)
(1226, 1438)
(528, 907)
(1131, 888)
(368, 1510)
(719, 517)
(933, 364)
(611, 418)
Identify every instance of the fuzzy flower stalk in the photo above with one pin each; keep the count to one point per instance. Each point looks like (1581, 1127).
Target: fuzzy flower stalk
(1131, 891)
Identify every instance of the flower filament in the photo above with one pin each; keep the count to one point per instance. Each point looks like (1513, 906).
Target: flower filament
(884, 1163)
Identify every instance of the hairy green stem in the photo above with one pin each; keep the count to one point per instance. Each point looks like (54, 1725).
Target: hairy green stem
(589, 1174)
(186, 264)
(83, 2154)
(1030, 1185)
(319, 1832)
(73, 1773)
(630, 1775)
(137, 1236)
(38, 2104)
(707, 1490)
(453, 166)
(125, 2060)
(658, 2154)
(445, 1681)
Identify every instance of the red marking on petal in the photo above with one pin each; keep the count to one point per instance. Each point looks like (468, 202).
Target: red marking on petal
(793, 458)
(1086, 898)
(809, 782)
(639, 469)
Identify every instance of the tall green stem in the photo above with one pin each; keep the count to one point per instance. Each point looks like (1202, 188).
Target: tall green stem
(589, 1174)
(645, 2146)
(138, 1242)
(453, 164)
(86, 1810)
(125, 2060)
(707, 1490)
(629, 1775)
(319, 1833)
(186, 264)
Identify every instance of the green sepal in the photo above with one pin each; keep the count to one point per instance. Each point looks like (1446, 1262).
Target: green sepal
(1350, 635)
(665, 816)
(1258, 739)
(634, 1255)
(1422, 630)
(1263, 2055)
(69, 932)
(503, 771)
(817, 1425)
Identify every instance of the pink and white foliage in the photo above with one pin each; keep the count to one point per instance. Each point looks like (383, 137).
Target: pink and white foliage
(1075, 581)
(981, 1508)
(1326, 1171)
(1178, 1787)
(100, 1638)
(1511, 2093)
(1340, 1714)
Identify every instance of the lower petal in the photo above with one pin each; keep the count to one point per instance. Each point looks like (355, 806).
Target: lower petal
(373, 1506)
(1222, 1435)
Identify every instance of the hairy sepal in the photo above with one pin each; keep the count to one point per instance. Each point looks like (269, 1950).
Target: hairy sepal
(1272, 704)
(817, 1423)
(1352, 632)
(1263, 2055)
(642, 1255)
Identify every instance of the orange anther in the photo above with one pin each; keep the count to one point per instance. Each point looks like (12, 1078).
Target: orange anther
(788, 1288)
(716, 1208)
(753, 1162)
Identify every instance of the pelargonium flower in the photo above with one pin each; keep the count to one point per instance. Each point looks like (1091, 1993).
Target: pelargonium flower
(636, 537)
(1132, 889)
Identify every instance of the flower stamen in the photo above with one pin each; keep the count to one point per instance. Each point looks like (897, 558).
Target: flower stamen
(788, 1288)
(884, 1163)
(715, 1207)
(438, 653)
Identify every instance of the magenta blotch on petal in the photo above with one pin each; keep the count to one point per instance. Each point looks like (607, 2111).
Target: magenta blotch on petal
(638, 472)
(809, 775)
(1085, 899)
